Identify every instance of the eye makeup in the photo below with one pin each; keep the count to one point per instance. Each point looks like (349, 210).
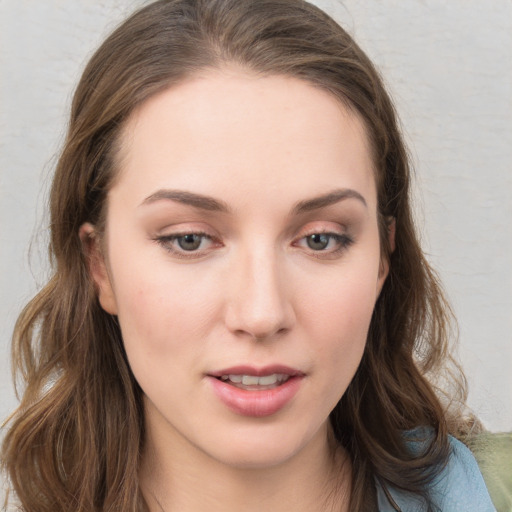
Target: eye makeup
(188, 245)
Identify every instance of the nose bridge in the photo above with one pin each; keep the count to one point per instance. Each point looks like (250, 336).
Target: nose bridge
(259, 304)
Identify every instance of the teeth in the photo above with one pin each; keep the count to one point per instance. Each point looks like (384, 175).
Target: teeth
(253, 380)
(250, 380)
(267, 380)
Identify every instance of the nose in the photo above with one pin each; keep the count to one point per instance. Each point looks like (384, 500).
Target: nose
(259, 305)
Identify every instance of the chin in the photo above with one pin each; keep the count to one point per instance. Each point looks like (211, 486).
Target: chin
(263, 448)
(255, 459)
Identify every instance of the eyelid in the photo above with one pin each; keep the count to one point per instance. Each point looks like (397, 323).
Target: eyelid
(343, 244)
(166, 241)
(344, 239)
(337, 232)
(323, 228)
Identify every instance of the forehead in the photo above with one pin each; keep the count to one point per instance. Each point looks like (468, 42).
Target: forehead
(229, 126)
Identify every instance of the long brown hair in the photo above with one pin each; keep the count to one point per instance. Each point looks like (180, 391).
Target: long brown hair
(76, 439)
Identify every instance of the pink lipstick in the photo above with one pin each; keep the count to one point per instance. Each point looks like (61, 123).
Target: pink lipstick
(256, 392)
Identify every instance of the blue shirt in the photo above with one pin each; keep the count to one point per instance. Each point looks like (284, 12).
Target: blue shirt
(460, 487)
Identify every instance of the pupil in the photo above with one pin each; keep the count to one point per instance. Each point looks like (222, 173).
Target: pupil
(318, 241)
(189, 242)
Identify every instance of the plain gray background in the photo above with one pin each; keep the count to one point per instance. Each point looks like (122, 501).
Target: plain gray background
(448, 65)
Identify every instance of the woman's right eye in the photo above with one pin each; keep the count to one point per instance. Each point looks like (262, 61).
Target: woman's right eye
(190, 242)
(186, 245)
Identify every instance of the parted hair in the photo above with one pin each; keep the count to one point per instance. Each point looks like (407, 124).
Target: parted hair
(75, 442)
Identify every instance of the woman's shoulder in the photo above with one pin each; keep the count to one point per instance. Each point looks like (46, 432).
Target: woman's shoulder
(458, 487)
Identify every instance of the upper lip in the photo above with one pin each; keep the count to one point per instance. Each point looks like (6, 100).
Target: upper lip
(257, 372)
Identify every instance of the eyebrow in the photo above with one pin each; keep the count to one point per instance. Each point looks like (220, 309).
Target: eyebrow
(211, 204)
(189, 198)
(316, 203)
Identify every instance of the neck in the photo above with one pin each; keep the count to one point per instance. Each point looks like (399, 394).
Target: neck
(177, 477)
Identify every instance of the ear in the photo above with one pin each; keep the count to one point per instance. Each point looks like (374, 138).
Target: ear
(97, 267)
(384, 263)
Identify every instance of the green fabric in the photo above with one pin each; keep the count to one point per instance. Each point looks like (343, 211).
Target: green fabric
(493, 453)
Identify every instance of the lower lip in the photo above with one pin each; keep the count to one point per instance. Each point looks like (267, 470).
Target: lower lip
(256, 403)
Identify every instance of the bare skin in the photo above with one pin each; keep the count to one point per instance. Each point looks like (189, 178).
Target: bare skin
(242, 238)
(308, 483)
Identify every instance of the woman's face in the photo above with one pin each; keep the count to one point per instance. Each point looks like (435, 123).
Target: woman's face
(242, 259)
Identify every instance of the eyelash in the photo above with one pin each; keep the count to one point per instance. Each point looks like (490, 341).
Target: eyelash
(167, 242)
(343, 243)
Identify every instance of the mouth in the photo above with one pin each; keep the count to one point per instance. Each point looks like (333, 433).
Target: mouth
(255, 383)
(256, 392)
(256, 379)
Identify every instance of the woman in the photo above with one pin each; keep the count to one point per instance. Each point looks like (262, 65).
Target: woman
(240, 314)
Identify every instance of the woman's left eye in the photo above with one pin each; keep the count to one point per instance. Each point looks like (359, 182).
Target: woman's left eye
(330, 243)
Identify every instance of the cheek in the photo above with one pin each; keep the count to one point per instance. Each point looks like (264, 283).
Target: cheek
(342, 305)
(158, 333)
(162, 313)
(337, 319)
